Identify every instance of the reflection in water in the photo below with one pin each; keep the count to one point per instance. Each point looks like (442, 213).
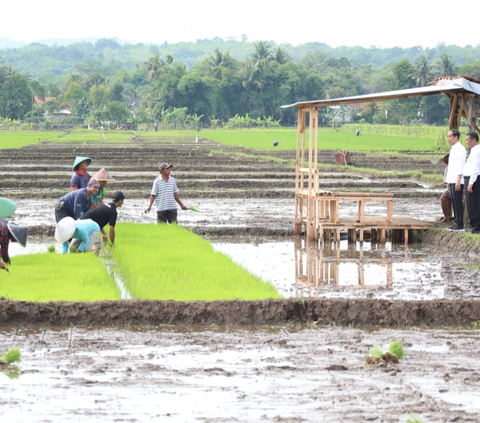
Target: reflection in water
(359, 265)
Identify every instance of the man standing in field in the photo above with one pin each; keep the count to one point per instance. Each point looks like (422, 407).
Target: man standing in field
(106, 213)
(472, 183)
(454, 179)
(165, 194)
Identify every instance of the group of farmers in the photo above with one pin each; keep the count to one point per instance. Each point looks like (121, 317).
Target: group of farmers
(462, 177)
(82, 214)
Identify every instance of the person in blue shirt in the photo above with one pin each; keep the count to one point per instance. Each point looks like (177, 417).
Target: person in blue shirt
(75, 203)
(85, 238)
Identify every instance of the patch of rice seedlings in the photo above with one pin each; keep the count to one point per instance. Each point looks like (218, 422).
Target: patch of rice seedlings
(58, 277)
(396, 348)
(376, 352)
(11, 356)
(169, 262)
(51, 248)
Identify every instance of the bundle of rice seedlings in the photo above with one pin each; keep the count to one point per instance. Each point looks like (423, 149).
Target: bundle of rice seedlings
(11, 356)
(393, 355)
(192, 208)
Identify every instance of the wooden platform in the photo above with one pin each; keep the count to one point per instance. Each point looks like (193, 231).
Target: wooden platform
(377, 226)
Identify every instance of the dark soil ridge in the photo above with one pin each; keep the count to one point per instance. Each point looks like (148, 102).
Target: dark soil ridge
(214, 193)
(224, 184)
(344, 312)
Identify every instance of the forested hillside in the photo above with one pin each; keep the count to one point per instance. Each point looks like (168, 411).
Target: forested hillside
(217, 79)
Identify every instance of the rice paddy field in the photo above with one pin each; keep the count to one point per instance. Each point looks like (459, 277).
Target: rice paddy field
(167, 328)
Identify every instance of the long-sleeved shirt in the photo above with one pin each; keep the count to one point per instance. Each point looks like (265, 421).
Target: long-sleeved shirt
(456, 163)
(472, 166)
(83, 230)
(4, 240)
(76, 202)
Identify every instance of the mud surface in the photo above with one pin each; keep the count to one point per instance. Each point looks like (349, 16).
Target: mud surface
(225, 374)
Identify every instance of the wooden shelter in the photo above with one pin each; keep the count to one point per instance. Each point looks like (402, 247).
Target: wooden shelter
(318, 209)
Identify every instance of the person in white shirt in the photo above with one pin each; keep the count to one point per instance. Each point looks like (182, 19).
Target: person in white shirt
(454, 179)
(472, 182)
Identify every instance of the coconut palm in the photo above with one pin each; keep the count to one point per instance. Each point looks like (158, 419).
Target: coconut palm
(422, 73)
(154, 65)
(445, 66)
(263, 53)
(281, 56)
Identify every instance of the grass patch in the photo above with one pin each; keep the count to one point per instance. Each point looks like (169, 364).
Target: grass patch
(328, 139)
(58, 277)
(15, 139)
(168, 262)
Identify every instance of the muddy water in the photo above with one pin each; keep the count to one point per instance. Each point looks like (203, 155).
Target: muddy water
(227, 374)
(361, 270)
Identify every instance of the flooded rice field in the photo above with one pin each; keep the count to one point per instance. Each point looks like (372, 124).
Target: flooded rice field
(302, 358)
(225, 374)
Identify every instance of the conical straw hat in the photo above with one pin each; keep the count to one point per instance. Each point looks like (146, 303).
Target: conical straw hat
(19, 233)
(80, 159)
(102, 175)
(65, 229)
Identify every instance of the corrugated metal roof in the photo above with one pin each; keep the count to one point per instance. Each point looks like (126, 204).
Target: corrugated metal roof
(441, 86)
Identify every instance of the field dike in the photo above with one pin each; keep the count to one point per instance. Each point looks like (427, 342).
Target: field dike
(344, 312)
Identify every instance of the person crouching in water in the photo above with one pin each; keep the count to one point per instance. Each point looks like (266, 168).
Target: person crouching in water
(75, 203)
(85, 234)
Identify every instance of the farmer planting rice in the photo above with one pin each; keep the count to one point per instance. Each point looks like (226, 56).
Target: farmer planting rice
(75, 203)
(103, 177)
(85, 234)
(165, 194)
(81, 177)
(10, 231)
(106, 213)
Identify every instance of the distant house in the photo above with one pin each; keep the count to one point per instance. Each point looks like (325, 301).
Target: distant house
(38, 100)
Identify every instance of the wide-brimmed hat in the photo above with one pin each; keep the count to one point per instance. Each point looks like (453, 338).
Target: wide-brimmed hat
(19, 233)
(164, 166)
(80, 159)
(7, 207)
(102, 175)
(65, 229)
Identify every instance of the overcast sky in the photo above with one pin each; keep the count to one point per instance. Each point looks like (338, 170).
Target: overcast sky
(346, 22)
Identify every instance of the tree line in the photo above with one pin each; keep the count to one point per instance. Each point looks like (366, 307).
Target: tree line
(221, 87)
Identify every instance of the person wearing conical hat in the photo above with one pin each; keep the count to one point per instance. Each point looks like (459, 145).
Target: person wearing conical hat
(10, 231)
(85, 234)
(103, 177)
(81, 177)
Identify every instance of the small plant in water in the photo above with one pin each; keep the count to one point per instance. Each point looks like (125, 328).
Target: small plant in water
(11, 356)
(73, 249)
(393, 355)
(51, 248)
(413, 418)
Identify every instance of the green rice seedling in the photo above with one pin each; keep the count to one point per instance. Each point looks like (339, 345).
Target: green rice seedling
(11, 356)
(396, 348)
(73, 249)
(413, 418)
(58, 277)
(376, 352)
(51, 248)
(192, 208)
(169, 262)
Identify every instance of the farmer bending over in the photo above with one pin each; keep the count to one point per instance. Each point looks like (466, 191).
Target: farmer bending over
(75, 203)
(165, 194)
(10, 231)
(85, 234)
(106, 213)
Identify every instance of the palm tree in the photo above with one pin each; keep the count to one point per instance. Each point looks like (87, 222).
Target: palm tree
(154, 66)
(445, 66)
(281, 56)
(249, 79)
(422, 73)
(263, 53)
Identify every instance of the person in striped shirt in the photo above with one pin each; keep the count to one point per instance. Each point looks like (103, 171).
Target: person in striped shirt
(165, 195)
